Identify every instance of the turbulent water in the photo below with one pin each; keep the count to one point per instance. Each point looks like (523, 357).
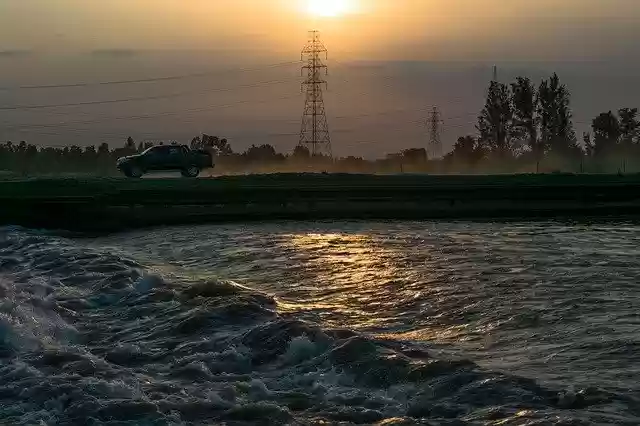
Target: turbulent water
(341, 323)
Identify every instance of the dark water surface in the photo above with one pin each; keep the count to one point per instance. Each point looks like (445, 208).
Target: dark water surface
(307, 323)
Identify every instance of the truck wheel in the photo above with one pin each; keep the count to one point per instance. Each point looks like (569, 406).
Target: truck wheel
(191, 171)
(135, 172)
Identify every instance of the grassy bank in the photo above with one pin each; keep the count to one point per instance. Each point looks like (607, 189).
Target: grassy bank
(116, 204)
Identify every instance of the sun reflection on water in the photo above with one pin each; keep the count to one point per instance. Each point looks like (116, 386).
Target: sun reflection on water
(357, 275)
(372, 283)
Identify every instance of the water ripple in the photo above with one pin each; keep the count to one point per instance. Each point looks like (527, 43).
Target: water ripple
(360, 323)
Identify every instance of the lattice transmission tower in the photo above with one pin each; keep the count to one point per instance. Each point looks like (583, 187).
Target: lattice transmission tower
(434, 126)
(315, 128)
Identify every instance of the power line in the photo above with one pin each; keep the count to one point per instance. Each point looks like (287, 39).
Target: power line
(188, 112)
(145, 80)
(143, 98)
(58, 125)
(147, 116)
(44, 107)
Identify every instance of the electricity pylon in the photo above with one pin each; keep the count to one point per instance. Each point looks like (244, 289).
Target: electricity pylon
(315, 128)
(434, 125)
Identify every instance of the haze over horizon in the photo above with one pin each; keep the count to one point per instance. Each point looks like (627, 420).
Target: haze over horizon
(389, 62)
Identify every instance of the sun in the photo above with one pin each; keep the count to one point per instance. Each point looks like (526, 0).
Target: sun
(329, 8)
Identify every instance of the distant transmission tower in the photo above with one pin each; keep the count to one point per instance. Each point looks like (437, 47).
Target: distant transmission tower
(315, 129)
(434, 124)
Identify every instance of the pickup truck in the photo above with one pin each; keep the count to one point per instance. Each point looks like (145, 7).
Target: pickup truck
(164, 158)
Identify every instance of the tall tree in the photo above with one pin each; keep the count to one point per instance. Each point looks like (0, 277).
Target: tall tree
(556, 125)
(196, 143)
(131, 144)
(606, 133)
(223, 147)
(219, 146)
(589, 146)
(525, 121)
(466, 151)
(629, 127)
(496, 120)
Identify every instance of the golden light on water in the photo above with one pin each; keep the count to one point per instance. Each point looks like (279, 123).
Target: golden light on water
(353, 272)
(330, 8)
(362, 280)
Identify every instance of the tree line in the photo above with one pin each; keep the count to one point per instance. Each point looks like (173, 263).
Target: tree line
(525, 128)
(27, 159)
(24, 158)
(522, 127)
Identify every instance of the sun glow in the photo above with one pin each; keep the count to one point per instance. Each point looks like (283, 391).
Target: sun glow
(329, 8)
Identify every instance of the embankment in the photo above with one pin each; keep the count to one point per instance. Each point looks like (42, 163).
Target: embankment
(105, 205)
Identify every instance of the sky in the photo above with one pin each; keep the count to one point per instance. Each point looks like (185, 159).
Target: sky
(390, 62)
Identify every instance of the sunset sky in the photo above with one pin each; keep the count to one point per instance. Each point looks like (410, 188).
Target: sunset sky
(395, 58)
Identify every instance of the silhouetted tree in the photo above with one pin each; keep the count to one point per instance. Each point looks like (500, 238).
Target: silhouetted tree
(217, 146)
(301, 153)
(415, 155)
(629, 127)
(353, 164)
(467, 151)
(556, 126)
(589, 146)
(606, 134)
(223, 147)
(265, 154)
(196, 143)
(525, 108)
(496, 121)
(131, 144)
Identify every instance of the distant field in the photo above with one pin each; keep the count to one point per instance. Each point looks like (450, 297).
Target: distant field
(114, 203)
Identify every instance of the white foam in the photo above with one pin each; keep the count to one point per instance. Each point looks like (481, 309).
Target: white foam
(301, 348)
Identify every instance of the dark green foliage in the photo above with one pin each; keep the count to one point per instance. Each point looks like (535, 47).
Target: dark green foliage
(27, 159)
(589, 145)
(556, 126)
(415, 155)
(262, 154)
(525, 118)
(301, 153)
(495, 122)
(466, 152)
(219, 147)
(629, 127)
(131, 144)
(606, 134)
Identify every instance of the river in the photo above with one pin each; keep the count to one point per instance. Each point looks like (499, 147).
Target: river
(304, 323)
